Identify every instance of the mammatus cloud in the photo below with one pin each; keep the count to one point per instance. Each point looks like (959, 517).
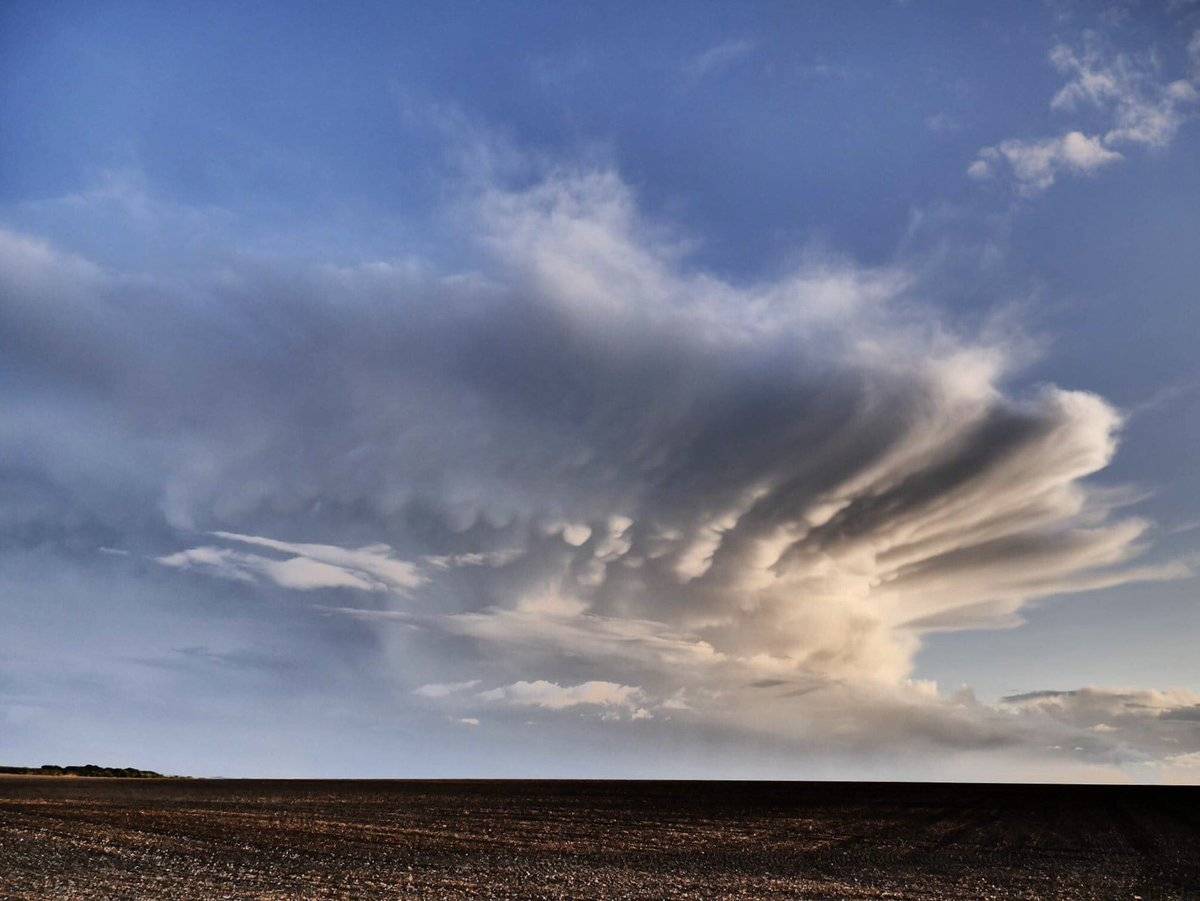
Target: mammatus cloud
(1128, 92)
(657, 489)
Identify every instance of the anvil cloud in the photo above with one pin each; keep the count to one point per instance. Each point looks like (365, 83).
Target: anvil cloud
(743, 503)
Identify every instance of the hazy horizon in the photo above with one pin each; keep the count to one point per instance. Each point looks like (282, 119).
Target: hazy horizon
(758, 390)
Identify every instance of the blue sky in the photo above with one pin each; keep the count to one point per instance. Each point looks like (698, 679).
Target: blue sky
(541, 389)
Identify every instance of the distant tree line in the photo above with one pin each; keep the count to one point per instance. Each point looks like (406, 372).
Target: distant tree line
(89, 769)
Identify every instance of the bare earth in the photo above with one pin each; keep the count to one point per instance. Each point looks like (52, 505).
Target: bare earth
(63, 837)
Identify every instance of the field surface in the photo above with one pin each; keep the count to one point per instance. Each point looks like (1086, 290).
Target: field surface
(63, 837)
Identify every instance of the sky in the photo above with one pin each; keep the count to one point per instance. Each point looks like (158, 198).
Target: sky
(700, 390)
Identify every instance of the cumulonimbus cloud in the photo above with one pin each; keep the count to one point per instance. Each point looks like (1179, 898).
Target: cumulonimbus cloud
(586, 452)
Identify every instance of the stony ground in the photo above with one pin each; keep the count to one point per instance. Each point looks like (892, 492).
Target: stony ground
(64, 837)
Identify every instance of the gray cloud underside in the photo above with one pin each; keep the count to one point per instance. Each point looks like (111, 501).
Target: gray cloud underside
(577, 459)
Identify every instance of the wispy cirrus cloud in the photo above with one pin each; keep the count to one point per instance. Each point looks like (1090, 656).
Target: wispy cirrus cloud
(306, 566)
(300, 573)
(716, 58)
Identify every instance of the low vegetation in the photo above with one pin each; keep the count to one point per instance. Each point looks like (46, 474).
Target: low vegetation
(87, 769)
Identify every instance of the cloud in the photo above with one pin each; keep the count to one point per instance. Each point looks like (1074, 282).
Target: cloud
(578, 634)
(312, 566)
(552, 696)
(375, 562)
(490, 558)
(442, 690)
(716, 58)
(1036, 164)
(942, 123)
(1189, 761)
(1144, 109)
(1147, 726)
(201, 657)
(299, 573)
(1089, 706)
(1139, 107)
(582, 452)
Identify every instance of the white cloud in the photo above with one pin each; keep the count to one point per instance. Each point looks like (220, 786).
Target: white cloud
(373, 564)
(1036, 164)
(552, 696)
(300, 573)
(1090, 706)
(716, 58)
(444, 689)
(1141, 109)
(1189, 761)
(313, 566)
(218, 561)
(474, 558)
(1147, 726)
(941, 123)
(35, 272)
(573, 533)
(677, 701)
(1144, 109)
(574, 633)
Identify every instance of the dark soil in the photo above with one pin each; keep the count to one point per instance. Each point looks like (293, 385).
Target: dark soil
(115, 838)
